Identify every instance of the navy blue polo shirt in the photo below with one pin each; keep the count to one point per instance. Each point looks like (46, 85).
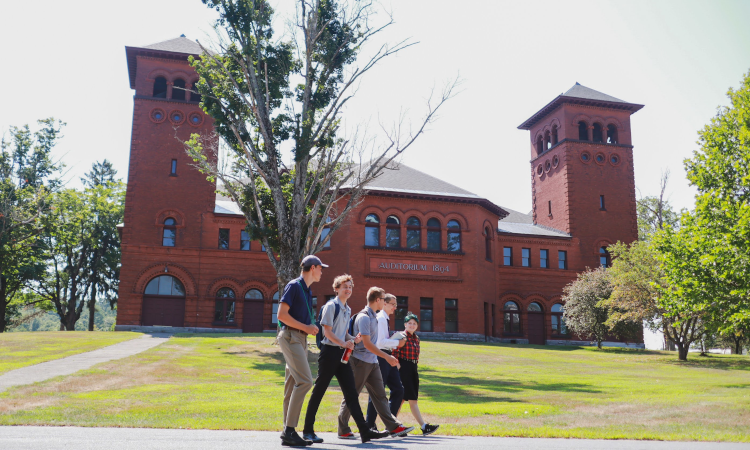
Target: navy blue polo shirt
(299, 300)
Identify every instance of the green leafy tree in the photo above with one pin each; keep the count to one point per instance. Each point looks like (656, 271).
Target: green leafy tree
(269, 90)
(587, 313)
(641, 293)
(107, 196)
(28, 178)
(82, 248)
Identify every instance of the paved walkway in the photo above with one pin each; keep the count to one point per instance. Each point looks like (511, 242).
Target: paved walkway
(51, 438)
(81, 361)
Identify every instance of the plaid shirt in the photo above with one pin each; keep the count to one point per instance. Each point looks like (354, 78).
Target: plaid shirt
(410, 350)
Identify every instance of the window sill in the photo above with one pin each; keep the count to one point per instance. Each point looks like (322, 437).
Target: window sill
(413, 250)
(225, 324)
(173, 175)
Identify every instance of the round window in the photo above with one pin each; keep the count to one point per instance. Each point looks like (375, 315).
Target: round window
(158, 116)
(177, 117)
(614, 159)
(196, 119)
(547, 166)
(555, 161)
(600, 158)
(539, 170)
(585, 157)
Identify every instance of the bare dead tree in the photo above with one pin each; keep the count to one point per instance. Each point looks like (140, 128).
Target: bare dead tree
(264, 92)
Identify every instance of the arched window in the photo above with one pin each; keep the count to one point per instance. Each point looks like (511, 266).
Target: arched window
(611, 134)
(583, 131)
(454, 236)
(534, 307)
(392, 232)
(165, 285)
(554, 135)
(558, 324)
(539, 145)
(169, 235)
(194, 95)
(512, 319)
(254, 294)
(547, 140)
(597, 133)
(487, 244)
(178, 89)
(372, 231)
(433, 234)
(160, 87)
(224, 306)
(275, 309)
(413, 232)
(604, 259)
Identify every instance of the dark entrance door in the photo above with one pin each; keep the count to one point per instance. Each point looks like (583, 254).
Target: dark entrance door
(164, 311)
(486, 320)
(536, 328)
(252, 316)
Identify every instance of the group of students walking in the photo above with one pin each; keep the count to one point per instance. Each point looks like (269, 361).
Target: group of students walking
(377, 359)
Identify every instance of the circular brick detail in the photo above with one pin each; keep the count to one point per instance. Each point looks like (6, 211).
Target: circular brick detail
(540, 170)
(615, 159)
(600, 158)
(555, 162)
(585, 157)
(157, 115)
(176, 116)
(547, 166)
(195, 119)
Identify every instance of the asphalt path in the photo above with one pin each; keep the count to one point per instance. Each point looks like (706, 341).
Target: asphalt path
(52, 438)
(72, 364)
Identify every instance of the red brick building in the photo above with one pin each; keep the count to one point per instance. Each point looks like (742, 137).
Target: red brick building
(469, 268)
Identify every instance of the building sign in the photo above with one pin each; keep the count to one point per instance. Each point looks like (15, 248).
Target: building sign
(399, 266)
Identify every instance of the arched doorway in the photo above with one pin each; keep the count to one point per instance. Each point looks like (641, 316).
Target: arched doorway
(252, 312)
(164, 302)
(536, 323)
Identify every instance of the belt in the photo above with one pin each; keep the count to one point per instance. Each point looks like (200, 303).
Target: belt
(413, 361)
(286, 327)
(387, 352)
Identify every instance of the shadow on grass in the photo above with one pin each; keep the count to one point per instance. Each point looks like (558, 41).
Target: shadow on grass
(223, 335)
(448, 388)
(714, 362)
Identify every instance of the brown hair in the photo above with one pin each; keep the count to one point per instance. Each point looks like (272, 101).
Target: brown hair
(341, 279)
(374, 293)
(389, 297)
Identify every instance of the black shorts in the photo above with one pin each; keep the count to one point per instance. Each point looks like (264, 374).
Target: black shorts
(409, 379)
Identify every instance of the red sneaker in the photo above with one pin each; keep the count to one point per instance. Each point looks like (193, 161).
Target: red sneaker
(401, 431)
(348, 435)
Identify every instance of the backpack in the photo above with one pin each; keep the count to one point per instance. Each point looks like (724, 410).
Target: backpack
(319, 337)
(351, 322)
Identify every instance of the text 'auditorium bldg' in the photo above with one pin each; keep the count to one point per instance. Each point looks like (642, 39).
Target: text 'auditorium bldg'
(469, 268)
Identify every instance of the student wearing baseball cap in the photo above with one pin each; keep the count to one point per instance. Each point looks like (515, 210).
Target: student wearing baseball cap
(296, 320)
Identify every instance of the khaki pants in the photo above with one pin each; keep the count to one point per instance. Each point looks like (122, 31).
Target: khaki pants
(298, 381)
(368, 374)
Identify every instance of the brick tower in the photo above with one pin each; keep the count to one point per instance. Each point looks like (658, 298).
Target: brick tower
(166, 197)
(582, 170)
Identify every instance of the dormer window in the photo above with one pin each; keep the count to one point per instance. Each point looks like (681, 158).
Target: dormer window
(160, 87)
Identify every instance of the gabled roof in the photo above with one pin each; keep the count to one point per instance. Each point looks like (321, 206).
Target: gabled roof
(580, 95)
(178, 48)
(523, 224)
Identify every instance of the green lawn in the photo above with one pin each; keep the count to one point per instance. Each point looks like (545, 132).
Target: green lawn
(236, 382)
(28, 348)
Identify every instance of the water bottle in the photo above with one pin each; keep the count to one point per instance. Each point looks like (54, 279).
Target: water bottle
(346, 355)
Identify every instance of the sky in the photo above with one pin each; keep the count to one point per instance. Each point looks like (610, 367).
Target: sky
(678, 58)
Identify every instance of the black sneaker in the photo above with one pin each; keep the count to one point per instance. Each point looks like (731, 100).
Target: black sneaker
(292, 439)
(370, 434)
(312, 437)
(429, 429)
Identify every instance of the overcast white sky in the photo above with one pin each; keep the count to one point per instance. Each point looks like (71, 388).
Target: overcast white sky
(67, 60)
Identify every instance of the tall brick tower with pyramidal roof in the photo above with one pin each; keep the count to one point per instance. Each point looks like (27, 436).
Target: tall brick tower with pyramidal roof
(582, 170)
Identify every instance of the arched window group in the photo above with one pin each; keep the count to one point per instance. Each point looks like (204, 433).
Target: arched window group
(180, 89)
(413, 227)
(512, 318)
(598, 133)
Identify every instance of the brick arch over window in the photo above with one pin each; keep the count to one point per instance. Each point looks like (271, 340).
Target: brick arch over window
(159, 73)
(224, 282)
(459, 218)
(581, 118)
(536, 298)
(615, 122)
(179, 272)
(599, 243)
(371, 210)
(487, 224)
(266, 289)
(164, 214)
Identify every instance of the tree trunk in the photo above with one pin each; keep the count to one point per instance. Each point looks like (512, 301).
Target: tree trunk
(682, 351)
(92, 309)
(288, 270)
(599, 344)
(3, 304)
(737, 350)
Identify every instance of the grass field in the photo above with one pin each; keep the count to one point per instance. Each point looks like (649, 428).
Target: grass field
(236, 382)
(25, 349)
